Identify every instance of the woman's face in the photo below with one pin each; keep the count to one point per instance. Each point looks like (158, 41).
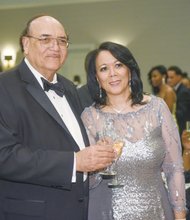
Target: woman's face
(113, 76)
(156, 78)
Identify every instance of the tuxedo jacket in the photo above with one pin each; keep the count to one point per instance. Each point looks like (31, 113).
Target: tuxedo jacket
(37, 152)
(182, 106)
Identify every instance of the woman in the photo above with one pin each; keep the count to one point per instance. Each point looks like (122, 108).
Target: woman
(151, 141)
(157, 78)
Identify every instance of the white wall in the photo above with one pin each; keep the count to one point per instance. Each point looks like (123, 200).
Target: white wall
(74, 64)
(156, 31)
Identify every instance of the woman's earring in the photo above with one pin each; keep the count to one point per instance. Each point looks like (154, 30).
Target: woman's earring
(100, 92)
(130, 85)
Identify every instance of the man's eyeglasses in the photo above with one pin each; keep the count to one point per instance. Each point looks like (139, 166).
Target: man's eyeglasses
(47, 41)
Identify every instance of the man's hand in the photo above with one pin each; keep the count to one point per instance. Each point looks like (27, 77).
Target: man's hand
(94, 158)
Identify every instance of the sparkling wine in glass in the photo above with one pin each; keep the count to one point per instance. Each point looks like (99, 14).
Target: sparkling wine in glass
(118, 147)
(107, 173)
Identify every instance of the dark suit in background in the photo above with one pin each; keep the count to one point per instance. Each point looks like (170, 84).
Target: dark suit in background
(84, 96)
(174, 79)
(182, 107)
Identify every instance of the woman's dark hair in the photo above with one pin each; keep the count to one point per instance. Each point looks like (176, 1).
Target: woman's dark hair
(122, 54)
(162, 70)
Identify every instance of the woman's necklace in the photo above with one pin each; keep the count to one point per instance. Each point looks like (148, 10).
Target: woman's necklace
(121, 109)
(118, 110)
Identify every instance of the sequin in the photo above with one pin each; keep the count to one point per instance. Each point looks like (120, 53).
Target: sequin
(152, 150)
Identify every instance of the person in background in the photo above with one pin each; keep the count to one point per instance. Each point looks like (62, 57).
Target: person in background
(174, 79)
(185, 80)
(83, 91)
(157, 78)
(77, 81)
(123, 112)
(43, 155)
(84, 96)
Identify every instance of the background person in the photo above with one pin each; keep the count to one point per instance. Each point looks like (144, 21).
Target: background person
(174, 79)
(43, 158)
(123, 112)
(84, 96)
(83, 91)
(77, 81)
(157, 78)
(185, 80)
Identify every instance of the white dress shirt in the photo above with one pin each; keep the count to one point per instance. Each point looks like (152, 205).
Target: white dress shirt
(65, 112)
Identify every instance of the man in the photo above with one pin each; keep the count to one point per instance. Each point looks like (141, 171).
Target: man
(43, 158)
(183, 96)
(186, 80)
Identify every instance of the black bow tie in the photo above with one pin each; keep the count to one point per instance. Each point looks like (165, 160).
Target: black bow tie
(57, 87)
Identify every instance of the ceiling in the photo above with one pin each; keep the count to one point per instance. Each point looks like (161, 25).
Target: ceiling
(155, 30)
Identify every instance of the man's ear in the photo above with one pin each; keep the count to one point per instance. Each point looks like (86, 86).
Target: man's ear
(25, 43)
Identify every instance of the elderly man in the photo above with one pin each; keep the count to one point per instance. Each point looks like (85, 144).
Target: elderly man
(43, 155)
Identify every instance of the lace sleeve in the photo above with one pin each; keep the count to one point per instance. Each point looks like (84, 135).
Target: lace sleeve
(173, 164)
(87, 118)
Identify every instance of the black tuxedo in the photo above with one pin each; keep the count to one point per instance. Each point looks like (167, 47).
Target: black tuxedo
(182, 106)
(37, 151)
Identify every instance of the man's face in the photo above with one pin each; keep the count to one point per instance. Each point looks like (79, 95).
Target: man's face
(173, 79)
(45, 57)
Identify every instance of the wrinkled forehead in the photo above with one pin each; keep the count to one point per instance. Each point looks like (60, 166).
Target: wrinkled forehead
(47, 25)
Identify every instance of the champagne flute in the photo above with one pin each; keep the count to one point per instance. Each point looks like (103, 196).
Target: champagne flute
(118, 147)
(107, 173)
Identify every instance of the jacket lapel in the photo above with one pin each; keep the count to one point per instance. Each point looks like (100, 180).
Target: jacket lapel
(33, 87)
(77, 109)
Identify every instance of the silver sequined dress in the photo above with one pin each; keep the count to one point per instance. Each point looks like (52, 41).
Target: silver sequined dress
(152, 147)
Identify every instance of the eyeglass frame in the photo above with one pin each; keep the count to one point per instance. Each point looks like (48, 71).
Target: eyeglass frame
(45, 37)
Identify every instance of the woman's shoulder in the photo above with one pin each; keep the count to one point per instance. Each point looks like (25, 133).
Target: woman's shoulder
(89, 114)
(153, 100)
(169, 89)
(90, 110)
(169, 92)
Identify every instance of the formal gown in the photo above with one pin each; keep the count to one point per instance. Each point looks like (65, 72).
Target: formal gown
(152, 147)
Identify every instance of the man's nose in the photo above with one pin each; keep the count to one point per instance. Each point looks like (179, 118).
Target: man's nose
(55, 43)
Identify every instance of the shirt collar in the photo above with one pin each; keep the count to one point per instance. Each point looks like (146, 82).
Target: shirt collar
(177, 86)
(38, 75)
